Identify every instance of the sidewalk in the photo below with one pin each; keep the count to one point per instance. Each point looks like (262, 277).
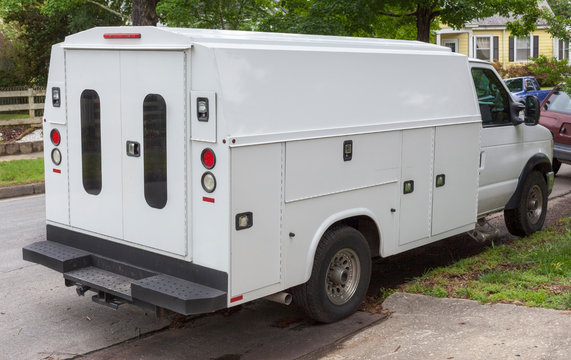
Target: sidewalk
(21, 190)
(423, 327)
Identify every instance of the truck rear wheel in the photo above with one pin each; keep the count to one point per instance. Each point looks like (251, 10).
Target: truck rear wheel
(529, 215)
(339, 278)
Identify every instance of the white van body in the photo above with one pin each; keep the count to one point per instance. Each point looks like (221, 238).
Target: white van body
(307, 132)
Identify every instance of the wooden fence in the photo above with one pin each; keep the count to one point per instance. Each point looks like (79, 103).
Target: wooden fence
(16, 101)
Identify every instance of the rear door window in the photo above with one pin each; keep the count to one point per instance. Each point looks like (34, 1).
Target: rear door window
(155, 150)
(91, 141)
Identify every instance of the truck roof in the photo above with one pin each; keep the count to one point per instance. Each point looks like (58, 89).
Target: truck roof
(179, 38)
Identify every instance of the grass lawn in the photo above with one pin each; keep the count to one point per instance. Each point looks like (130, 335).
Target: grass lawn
(533, 271)
(18, 172)
(13, 116)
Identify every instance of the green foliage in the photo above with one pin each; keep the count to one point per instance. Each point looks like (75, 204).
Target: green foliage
(21, 171)
(32, 29)
(560, 20)
(549, 71)
(214, 14)
(534, 271)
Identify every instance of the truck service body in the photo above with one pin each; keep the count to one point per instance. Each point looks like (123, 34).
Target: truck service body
(194, 170)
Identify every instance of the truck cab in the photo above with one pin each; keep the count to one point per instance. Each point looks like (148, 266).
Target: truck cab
(525, 86)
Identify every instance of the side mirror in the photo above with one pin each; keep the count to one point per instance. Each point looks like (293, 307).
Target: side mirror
(515, 109)
(532, 111)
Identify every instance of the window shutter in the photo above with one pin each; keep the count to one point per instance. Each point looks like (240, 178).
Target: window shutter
(511, 54)
(496, 48)
(535, 46)
(560, 50)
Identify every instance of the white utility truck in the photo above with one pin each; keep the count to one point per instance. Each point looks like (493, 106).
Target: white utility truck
(194, 170)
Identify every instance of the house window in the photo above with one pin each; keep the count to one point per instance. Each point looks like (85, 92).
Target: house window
(451, 43)
(483, 45)
(563, 50)
(522, 48)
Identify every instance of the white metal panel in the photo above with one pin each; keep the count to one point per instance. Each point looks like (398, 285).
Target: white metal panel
(203, 130)
(415, 213)
(287, 91)
(56, 177)
(456, 155)
(162, 73)
(309, 219)
(100, 213)
(257, 188)
(317, 168)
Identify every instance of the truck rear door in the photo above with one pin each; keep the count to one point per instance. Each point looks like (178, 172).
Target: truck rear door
(127, 116)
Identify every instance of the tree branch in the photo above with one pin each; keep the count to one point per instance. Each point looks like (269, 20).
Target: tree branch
(397, 15)
(124, 17)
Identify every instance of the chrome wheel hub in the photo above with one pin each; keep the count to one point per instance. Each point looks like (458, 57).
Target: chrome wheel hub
(534, 204)
(343, 276)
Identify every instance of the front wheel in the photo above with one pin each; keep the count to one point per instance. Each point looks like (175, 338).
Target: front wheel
(340, 276)
(529, 214)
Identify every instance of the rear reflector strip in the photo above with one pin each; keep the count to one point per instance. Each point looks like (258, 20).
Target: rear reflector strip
(122, 36)
(57, 171)
(237, 298)
(207, 199)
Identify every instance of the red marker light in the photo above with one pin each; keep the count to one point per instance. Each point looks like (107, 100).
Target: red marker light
(208, 158)
(122, 36)
(55, 137)
(237, 298)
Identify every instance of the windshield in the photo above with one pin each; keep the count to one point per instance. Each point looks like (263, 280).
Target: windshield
(514, 85)
(559, 101)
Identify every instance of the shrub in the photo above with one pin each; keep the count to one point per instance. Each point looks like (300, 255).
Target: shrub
(549, 72)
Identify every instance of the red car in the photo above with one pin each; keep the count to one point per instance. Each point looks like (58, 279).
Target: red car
(556, 116)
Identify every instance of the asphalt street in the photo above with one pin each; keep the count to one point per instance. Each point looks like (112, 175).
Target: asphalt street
(42, 319)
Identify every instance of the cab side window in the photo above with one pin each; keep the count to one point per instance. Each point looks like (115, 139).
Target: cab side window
(492, 98)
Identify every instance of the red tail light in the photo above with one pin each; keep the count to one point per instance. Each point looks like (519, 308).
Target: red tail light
(55, 137)
(208, 158)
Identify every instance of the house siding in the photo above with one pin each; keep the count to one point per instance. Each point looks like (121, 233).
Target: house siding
(545, 42)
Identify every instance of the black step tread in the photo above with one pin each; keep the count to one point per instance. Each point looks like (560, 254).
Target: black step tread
(103, 280)
(179, 295)
(56, 256)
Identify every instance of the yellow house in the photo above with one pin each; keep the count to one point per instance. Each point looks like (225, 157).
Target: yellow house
(488, 39)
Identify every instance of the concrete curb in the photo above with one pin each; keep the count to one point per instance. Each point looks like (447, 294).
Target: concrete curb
(21, 148)
(22, 190)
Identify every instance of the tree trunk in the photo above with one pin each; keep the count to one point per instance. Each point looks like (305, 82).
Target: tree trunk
(423, 19)
(144, 12)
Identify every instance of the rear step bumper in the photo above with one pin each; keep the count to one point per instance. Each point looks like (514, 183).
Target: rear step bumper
(115, 279)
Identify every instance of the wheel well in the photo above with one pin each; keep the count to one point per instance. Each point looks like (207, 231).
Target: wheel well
(538, 162)
(366, 226)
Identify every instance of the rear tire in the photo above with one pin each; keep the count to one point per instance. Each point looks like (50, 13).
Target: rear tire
(529, 215)
(339, 278)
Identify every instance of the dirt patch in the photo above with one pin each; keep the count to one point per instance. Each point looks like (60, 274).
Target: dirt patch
(9, 134)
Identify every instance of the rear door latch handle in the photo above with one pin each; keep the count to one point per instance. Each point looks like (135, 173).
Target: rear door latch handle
(133, 149)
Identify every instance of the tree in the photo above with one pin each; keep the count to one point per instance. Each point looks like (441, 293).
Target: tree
(457, 13)
(33, 31)
(559, 20)
(214, 14)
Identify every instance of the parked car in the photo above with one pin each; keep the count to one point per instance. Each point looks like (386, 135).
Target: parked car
(556, 116)
(525, 86)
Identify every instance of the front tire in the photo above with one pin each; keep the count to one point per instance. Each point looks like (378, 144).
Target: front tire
(529, 215)
(339, 278)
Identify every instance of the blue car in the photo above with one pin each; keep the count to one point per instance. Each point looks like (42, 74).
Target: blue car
(526, 86)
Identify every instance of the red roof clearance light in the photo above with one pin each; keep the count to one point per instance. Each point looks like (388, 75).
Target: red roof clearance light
(122, 36)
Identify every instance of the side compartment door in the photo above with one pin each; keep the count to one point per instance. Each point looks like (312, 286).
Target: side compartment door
(153, 148)
(94, 119)
(416, 190)
(455, 191)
